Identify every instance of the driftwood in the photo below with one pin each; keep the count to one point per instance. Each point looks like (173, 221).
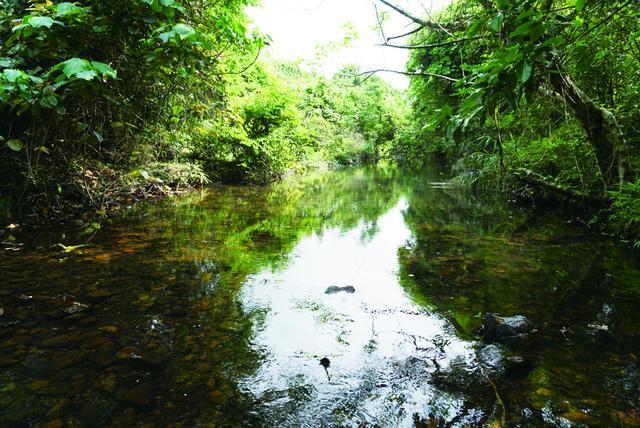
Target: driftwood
(536, 180)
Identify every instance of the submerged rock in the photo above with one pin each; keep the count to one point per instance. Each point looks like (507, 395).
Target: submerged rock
(498, 363)
(76, 307)
(139, 395)
(149, 359)
(496, 327)
(335, 289)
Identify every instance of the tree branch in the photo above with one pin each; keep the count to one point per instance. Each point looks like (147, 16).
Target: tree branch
(540, 181)
(403, 12)
(432, 45)
(384, 37)
(432, 25)
(369, 73)
(246, 68)
(599, 24)
(415, 30)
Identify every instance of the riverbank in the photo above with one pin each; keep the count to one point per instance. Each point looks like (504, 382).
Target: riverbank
(107, 194)
(92, 194)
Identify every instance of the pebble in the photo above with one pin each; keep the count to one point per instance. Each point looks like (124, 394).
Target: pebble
(127, 352)
(112, 329)
(139, 395)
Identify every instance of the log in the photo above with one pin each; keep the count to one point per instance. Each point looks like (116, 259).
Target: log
(534, 179)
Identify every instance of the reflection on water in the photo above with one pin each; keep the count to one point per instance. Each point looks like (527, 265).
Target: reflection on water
(368, 335)
(211, 310)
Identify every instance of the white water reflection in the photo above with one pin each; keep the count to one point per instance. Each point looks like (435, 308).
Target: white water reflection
(381, 344)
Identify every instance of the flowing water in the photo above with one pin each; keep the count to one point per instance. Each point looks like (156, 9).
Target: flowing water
(210, 310)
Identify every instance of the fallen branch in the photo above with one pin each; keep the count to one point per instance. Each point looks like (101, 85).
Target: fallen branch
(537, 180)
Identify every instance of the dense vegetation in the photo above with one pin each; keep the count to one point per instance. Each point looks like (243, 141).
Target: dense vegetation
(541, 95)
(105, 101)
(101, 101)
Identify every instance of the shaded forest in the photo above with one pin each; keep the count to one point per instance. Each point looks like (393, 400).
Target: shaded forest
(539, 97)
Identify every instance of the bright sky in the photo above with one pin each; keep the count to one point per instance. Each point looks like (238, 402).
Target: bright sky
(298, 26)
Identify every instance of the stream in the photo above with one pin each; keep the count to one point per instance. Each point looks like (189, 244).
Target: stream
(210, 309)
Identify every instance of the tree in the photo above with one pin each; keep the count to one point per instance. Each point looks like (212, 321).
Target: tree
(515, 49)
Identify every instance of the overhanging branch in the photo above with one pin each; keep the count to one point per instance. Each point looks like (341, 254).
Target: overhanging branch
(370, 73)
(432, 25)
(407, 14)
(400, 36)
(432, 45)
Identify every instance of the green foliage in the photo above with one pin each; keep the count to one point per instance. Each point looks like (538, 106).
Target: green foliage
(279, 118)
(180, 175)
(166, 91)
(625, 210)
(503, 113)
(96, 80)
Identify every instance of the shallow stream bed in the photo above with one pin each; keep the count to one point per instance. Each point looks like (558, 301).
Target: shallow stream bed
(211, 310)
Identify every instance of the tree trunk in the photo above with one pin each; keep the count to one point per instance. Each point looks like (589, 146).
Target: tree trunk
(600, 125)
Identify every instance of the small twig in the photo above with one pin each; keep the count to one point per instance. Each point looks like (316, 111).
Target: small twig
(503, 417)
(400, 36)
(244, 69)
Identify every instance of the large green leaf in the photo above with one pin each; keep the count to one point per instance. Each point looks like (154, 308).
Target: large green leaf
(496, 22)
(522, 29)
(524, 71)
(473, 101)
(68, 9)
(41, 21)
(104, 69)
(580, 4)
(87, 75)
(184, 30)
(15, 145)
(73, 66)
(11, 75)
(475, 27)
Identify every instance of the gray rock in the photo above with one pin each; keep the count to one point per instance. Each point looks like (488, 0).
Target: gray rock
(498, 363)
(335, 289)
(496, 328)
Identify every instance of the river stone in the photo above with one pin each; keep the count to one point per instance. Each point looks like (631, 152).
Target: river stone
(127, 352)
(139, 395)
(112, 329)
(76, 307)
(153, 358)
(335, 289)
(8, 361)
(95, 342)
(70, 358)
(492, 357)
(497, 363)
(104, 357)
(56, 423)
(496, 328)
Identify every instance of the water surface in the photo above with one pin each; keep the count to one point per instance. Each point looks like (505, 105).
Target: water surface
(210, 310)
